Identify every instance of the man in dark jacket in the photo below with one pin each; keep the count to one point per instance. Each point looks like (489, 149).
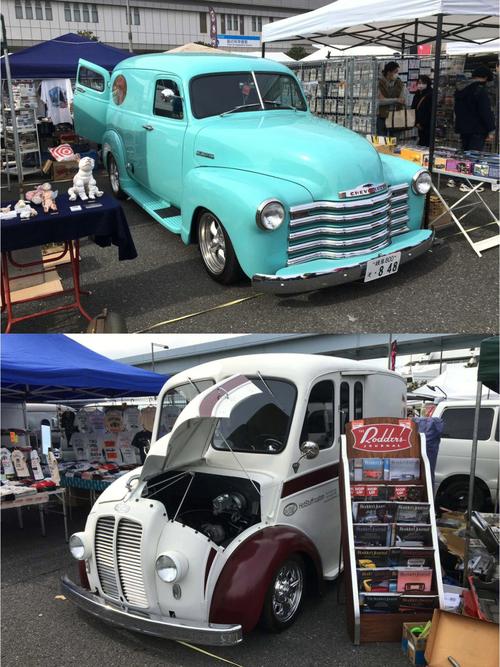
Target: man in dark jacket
(474, 119)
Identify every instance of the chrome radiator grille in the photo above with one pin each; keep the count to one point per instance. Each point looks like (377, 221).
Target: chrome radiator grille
(118, 560)
(339, 229)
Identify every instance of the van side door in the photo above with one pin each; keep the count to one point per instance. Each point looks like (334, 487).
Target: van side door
(91, 100)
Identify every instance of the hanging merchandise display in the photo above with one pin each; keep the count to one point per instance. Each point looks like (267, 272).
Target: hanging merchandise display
(20, 464)
(35, 465)
(6, 461)
(57, 94)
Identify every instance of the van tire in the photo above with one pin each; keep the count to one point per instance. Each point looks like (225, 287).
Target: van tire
(217, 251)
(454, 495)
(114, 178)
(274, 617)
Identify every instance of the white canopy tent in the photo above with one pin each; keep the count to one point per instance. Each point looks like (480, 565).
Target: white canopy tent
(325, 52)
(462, 48)
(457, 383)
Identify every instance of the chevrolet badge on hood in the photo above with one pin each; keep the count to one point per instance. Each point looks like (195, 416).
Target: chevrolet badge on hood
(360, 190)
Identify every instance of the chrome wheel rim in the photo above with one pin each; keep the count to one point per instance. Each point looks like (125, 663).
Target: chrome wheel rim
(212, 243)
(114, 176)
(287, 591)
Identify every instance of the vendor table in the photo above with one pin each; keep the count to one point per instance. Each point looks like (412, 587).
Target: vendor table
(40, 499)
(475, 183)
(102, 219)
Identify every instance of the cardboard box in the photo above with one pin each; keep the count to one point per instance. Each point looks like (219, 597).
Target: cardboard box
(64, 171)
(460, 166)
(440, 163)
(413, 647)
(469, 641)
(415, 155)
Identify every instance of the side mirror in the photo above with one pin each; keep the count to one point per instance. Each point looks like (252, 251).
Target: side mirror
(309, 450)
(167, 94)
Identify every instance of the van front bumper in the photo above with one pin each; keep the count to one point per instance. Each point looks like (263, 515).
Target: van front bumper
(173, 628)
(329, 273)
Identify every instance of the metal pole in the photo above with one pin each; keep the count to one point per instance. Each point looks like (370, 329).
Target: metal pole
(403, 44)
(129, 23)
(472, 479)
(435, 89)
(17, 149)
(389, 352)
(153, 357)
(263, 50)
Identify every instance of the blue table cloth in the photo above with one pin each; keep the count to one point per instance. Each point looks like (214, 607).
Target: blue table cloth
(106, 225)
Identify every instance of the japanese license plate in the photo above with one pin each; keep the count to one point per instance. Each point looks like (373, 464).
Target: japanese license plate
(382, 266)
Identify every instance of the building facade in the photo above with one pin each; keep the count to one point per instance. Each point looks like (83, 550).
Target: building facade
(156, 25)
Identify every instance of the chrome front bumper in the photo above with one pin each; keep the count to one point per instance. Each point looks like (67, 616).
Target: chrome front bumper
(307, 282)
(208, 634)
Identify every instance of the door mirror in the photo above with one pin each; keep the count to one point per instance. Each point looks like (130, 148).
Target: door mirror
(167, 94)
(309, 450)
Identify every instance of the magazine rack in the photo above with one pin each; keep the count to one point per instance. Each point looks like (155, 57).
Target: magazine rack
(386, 438)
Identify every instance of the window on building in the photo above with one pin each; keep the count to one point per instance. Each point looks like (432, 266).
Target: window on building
(19, 9)
(38, 10)
(137, 16)
(459, 423)
(271, 19)
(85, 13)
(242, 25)
(77, 16)
(319, 420)
(257, 23)
(358, 400)
(48, 11)
(232, 21)
(169, 106)
(223, 23)
(94, 14)
(28, 9)
(67, 11)
(203, 22)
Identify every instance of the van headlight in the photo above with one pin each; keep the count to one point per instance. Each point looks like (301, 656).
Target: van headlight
(171, 566)
(421, 182)
(270, 215)
(78, 547)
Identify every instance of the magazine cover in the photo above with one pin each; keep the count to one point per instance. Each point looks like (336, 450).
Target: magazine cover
(373, 558)
(412, 557)
(376, 492)
(412, 536)
(379, 603)
(373, 512)
(367, 469)
(413, 513)
(409, 603)
(358, 492)
(378, 580)
(404, 469)
(415, 580)
(405, 492)
(372, 535)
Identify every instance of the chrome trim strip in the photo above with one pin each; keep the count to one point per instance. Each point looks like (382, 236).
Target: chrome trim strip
(327, 217)
(340, 243)
(399, 230)
(398, 221)
(331, 254)
(210, 634)
(333, 205)
(335, 231)
(398, 198)
(399, 186)
(399, 209)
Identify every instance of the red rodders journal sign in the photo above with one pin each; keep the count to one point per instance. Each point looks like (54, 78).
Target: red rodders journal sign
(383, 438)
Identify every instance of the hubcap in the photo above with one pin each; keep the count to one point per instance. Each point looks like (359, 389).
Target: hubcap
(114, 176)
(212, 244)
(287, 591)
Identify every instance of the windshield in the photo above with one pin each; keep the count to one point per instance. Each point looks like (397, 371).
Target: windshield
(261, 422)
(175, 400)
(235, 92)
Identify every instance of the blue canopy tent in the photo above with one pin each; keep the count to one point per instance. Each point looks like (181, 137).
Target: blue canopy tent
(58, 58)
(54, 368)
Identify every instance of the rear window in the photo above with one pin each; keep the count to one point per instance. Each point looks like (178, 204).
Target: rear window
(459, 423)
(91, 79)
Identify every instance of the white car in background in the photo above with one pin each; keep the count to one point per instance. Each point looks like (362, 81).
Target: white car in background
(451, 482)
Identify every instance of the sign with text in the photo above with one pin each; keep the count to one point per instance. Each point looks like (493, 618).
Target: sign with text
(238, 41)
(381, 437)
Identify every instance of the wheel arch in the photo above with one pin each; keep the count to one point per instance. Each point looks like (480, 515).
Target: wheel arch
(242, 585)
(461, 477)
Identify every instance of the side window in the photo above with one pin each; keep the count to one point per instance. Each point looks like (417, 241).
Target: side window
(91, 79)
(165, 103)
(344, 401)
(358, 400)
(459, 423)
(497, 429)
(319, 424)
(175, 400)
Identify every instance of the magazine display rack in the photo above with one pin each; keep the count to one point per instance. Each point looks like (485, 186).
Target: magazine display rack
(390, 542)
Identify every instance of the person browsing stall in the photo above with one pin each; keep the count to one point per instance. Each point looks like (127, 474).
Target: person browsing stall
(474, 119)
(390, 96)
(422, 103)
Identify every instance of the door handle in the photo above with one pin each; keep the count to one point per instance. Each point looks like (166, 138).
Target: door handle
(80, 90)
(148, 127)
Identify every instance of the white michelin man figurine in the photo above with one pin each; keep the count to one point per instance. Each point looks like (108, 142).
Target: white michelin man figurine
(84, 184)
(24, 210)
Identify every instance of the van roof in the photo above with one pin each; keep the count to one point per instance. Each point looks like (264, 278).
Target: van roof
(193, 64)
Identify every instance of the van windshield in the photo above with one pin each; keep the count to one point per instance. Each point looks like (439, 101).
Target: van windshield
(175, 400)
(261, 422)
(237, 92)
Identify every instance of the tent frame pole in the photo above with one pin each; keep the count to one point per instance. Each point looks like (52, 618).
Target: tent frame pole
(263, 50)
(13, 117)
(435, 89)
(472, 479)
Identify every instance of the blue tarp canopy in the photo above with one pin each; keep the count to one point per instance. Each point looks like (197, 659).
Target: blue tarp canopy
(53, 368)
(58, 58)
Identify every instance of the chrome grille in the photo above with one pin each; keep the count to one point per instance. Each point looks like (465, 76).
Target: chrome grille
(339, 229)
(104, 555)
(128, 549)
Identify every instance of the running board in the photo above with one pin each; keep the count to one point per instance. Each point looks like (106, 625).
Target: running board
(162, 211)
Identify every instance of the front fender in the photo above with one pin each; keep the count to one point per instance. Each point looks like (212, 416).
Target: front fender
(112, 143)
(397, 170)
(245, 579)
(234, 196)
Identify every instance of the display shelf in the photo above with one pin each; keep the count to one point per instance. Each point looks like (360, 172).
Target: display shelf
(467, 177)
(386, 442)
(26, 145)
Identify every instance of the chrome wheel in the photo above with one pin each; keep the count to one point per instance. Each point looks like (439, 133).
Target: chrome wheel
(114, 175)
(212, 243)
(287, 591)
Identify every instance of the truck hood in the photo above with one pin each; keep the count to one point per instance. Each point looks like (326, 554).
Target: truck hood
(190, 438)
(321, 156)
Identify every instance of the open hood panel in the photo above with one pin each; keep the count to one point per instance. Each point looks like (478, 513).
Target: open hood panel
(192, 433)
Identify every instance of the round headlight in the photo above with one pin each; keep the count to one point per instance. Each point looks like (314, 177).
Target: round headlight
(77, 546)
(171, 567)
(270, 215)
(421, 182)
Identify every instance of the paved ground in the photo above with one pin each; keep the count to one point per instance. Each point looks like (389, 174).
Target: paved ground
(40, 630)
(449, 289)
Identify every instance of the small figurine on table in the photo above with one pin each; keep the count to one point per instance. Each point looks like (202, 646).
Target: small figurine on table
(48, 198)
(84, 183)
(6, 213)
(24, 210)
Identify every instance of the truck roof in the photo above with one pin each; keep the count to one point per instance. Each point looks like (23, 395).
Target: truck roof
(193, 64)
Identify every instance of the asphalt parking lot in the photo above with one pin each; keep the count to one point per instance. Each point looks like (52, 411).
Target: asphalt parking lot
(448, 289)
(39, 629)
